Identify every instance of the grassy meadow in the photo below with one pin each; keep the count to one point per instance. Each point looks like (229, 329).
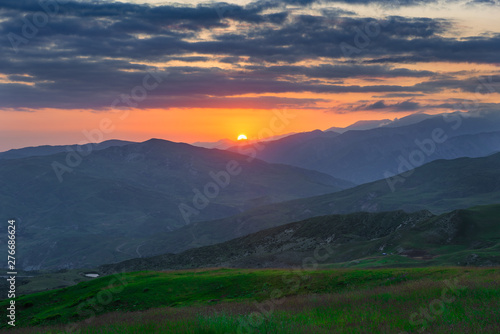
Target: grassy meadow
(412, 300)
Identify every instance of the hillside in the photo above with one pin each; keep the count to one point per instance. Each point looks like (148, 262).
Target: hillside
(49, 150)
(372, 124)
(118, 198)
(362, 156)
(461, 237)
(268, 301)
(361, 125)
(440, 186)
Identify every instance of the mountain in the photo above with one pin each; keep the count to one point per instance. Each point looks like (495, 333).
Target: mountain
(280, 150)
(224, 144)
(440, 186)
(221, 144)
(362, 125)
(48, 150)
(115, 199)
(410, 119)
(366, 156)
(397, 122)
(461, 237)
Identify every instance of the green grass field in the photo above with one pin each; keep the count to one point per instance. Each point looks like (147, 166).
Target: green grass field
(415, 300)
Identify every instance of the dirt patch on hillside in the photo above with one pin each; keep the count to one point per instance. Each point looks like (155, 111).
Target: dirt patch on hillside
(418, 254)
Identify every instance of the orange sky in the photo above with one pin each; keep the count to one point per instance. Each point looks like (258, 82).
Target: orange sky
(59, 126)
(177, 125)
(55, 126)
(24, 124)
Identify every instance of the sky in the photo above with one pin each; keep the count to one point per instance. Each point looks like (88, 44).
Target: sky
(80, 71)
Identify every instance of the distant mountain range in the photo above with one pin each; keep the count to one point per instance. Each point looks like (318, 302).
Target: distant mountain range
(227, 143)
(461, 237)
(361, 125)
(220, 144)
(397, 122)
(133, 192)
(38, 151)
(127, 200)
(440, 186)
(362, 156)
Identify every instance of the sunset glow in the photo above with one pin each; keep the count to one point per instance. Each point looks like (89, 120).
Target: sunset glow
(230, 68)
(206, 149)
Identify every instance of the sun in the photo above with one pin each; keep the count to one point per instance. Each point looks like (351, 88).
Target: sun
(242, 137)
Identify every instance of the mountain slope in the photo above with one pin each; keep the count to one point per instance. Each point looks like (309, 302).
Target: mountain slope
(439, 186)
(410, 119)
(368, 125)
(464, 237)
(49, 150)
(221, 144)
(361, 125)
(365, 156)
(119, 197)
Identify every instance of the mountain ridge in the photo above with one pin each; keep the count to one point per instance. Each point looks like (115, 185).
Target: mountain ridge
(472, 181)
(362, 156)
(416, 238)
(124, 195)
(34, 151)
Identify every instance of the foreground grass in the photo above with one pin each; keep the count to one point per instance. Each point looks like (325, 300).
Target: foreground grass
(437, 300)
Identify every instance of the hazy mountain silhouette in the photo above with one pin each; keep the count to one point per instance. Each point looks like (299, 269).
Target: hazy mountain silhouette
(361, 125)
(368, 155)
(37, 151)
(440, 186)
(134, 192)
(396, 238)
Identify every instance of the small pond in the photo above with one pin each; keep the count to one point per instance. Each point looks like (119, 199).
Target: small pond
(92, 275)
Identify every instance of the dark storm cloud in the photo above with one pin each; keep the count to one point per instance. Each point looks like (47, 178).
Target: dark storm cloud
(70, 85)
(309, 37)
(474, 49)
(339, 71)
(203, 15)
(381, 105)
(385, 3)
(401, 106)
(411, 105)
(479, 85)
(88, 52)
(391, 95)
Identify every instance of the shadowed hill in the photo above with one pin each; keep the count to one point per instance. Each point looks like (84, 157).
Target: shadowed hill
(461, 237)
(49, 150)
(440, 186)
(365, 156)
(117, 198)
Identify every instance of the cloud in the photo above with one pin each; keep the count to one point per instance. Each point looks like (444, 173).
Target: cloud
(79, 84)
(340, 71)
(90, 52)
(407, 105)
(411, 105)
